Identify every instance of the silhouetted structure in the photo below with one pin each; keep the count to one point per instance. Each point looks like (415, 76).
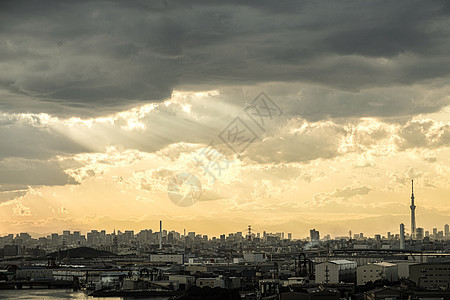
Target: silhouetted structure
(413, 212)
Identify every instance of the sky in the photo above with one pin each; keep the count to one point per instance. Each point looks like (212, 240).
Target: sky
(215, 115)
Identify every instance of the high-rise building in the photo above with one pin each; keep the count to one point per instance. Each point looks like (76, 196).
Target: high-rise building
(413, 212)
(446, 230)
(55, 237)
(419, 233)
(314, 235)
(378, 238)
(76, 236)
(128, 236)
(89, 238)
(170, 238)
(402, 236)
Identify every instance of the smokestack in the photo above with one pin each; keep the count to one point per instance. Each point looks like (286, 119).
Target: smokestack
(160, 234)
(402, 236)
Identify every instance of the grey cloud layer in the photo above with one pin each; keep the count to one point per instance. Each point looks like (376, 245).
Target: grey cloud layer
(317, 60)
(93, 58)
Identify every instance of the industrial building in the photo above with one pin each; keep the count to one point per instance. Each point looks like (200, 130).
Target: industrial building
(336, 271)
(167, 258)
(376, 271)
(431, 275)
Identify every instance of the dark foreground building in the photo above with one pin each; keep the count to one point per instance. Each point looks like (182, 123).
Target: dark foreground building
(316, 293)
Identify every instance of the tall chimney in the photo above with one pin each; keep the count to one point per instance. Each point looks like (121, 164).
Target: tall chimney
(160, 234)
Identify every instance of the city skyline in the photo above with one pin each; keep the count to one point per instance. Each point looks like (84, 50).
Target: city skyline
(278, 228)
(213, 116)
(435, 232)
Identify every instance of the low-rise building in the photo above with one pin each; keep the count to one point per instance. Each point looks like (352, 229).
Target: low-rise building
(12, 250)
(403, 267)
(296, 281)
(167, 258)
(376, 271)
(112, 279)
(34, 274)
(210, 282)
(233, 282)
(319, 293)
(254, 257)
(194, 269)
(130, 284)
(431, 274)
(336, 271)
(184, 281)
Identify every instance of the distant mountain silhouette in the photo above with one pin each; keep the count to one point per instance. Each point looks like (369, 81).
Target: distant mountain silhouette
(81, 252)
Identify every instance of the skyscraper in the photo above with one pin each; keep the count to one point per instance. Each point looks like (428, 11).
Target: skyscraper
(420, 233)
(402, 236)
(413, 212)
(314, 235)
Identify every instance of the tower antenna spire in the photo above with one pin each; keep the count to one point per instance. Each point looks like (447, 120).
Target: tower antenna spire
(413, 212)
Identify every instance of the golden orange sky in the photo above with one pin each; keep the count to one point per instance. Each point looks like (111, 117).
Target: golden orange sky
(331, 176)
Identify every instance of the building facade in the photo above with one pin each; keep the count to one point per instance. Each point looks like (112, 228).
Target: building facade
(376, 271)
(431, 275)
(336, 271)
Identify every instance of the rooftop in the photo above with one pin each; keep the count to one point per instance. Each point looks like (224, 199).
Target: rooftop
(385, 264)
(342, 262)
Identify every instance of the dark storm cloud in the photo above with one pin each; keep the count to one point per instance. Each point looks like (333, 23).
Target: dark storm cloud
(93, 58)
(28, 138)
(24, 172)
(27, 154)
(6, 196)
(390, 102)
